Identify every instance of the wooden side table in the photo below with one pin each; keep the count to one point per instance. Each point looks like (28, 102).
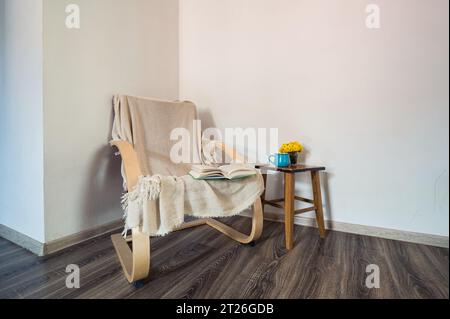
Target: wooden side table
(290, 197)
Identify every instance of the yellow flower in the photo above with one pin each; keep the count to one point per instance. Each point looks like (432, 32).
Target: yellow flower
(291, 147)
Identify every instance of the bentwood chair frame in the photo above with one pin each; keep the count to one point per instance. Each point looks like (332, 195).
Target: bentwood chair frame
(135, 261)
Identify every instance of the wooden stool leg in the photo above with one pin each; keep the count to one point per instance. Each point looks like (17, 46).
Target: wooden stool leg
(263, 195)
(289, 190)
(315, 176)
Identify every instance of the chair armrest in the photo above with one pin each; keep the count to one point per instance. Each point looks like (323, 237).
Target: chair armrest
(130, 162)
(231, 152)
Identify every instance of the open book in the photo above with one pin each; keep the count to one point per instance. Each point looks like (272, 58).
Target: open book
(231, 172)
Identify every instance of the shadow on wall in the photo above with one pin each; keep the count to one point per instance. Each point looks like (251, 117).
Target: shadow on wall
(207, 119)
(104, 190)
(275, 184)
(275, 188)
(324, 182)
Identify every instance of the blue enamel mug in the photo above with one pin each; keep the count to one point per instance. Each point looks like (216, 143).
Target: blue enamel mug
(280, 159)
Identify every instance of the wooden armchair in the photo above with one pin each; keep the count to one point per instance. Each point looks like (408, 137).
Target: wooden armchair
(136, 261)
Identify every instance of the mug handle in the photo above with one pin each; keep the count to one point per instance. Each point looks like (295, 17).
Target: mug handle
(272, 161)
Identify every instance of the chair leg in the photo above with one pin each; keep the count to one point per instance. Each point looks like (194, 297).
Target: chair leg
(257, 226)
(136, 262)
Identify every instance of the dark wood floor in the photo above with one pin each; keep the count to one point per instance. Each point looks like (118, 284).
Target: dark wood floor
(201, 263)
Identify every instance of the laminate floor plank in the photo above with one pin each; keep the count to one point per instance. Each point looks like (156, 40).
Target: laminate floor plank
(202, 263)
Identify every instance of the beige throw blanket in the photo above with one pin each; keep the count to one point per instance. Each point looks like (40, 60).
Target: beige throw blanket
(165, 193)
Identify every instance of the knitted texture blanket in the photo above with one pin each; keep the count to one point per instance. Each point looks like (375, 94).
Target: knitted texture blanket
(165, 194)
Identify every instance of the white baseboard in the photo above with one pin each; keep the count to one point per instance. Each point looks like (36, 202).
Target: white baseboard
(36, 247)
(65, 242)
(44, 249)
(411, 237)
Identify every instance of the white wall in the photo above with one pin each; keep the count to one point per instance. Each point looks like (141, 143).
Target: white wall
(2, 50)
(371, 105)
(21, 116)
(128, 46)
